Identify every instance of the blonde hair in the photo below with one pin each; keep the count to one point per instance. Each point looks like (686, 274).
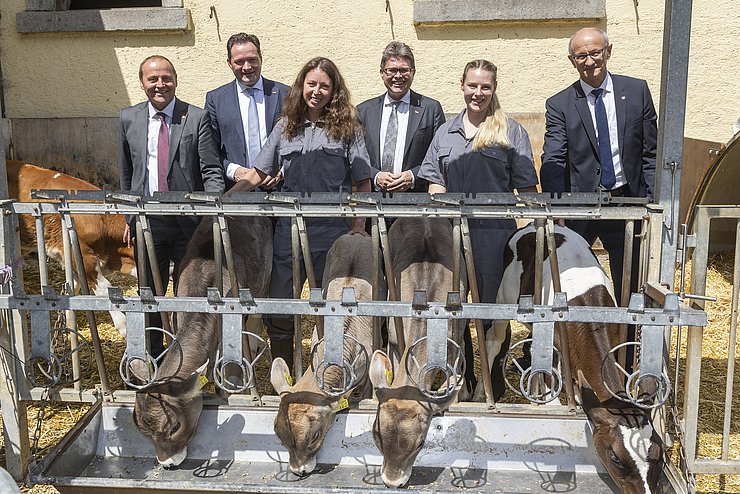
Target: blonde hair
(495, 128)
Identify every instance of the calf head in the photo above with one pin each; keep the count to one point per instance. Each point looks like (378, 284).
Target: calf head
(625, 441)
(304, 416)
(402, 420)
(168, 414)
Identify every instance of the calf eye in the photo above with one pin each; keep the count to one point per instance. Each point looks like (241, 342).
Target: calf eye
(615, 461)
(174, 429)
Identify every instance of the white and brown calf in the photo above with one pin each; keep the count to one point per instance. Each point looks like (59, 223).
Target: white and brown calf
(306, 412)
(624, 438)
(422, 257)
(168, 412)
(100, 235)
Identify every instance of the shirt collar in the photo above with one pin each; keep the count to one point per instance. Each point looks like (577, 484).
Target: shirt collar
(257, 85)
(606, 85)
(169, 110)
(406, 98)
(456, 125)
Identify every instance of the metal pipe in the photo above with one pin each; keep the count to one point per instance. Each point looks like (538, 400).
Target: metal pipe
(375, 239)
(629, 234)
(233, 279)
(456, 244)
(390, 278)
(218, 255)
(539, 259)
(297, 333)
(159, 287)
(85, 289)
(308, 263)
(71, 319)
(731, 346)
(41, 249)
(562, 333)
(474, 295)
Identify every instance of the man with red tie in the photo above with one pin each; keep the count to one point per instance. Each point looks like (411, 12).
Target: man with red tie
(166, 145)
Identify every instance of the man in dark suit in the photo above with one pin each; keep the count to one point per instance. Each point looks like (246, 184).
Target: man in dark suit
(166, 145)
(411, 118)
(244, 111)
(601, 134)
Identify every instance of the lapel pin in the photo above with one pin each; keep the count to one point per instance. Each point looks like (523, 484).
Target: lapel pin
(416, 111)
(624, 97)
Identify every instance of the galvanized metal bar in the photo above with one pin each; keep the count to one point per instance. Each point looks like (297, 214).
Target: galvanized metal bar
(729, 385)
(674, 76)
(41, 250)
(716, 467)
(629, 233)
(218, 257)
(136, 337)
(475, 297)
(69, 315)
(297, 332)
(539, 259)
(92, 324)
(694, 340)
(375, 279)
(160, 285)
(308, 264)
(229, 254)
(456, 244)
(543, 335)
(562, 335)
(334, 340)
(390, 278)
(437, 343)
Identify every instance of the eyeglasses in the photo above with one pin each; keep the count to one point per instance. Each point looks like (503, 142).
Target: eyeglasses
(595, 55)
(391, 71)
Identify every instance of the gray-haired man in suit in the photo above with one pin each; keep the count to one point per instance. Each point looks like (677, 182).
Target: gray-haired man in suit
(244, 111)
(411, 118)
(166, 145)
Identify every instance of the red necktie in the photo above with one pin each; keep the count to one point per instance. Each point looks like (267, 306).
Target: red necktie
(163, 153)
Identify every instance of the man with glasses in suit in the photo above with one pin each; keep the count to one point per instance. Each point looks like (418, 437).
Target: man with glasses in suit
(399, 124)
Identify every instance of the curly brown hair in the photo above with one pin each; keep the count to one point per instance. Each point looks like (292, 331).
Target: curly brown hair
(339, 117)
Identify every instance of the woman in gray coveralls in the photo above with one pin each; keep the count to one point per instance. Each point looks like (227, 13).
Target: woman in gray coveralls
(318, 147)
(482, 150)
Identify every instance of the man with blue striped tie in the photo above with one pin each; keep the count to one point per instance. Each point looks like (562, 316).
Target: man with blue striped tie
(601, 134)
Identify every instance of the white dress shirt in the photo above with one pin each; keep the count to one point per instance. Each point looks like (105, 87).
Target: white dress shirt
(243, 98)
(611, 115)
(152, 140)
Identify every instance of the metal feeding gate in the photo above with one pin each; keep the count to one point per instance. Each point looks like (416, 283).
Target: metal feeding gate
(478, 447)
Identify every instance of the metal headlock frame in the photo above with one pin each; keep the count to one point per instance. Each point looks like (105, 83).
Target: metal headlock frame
(445, 205)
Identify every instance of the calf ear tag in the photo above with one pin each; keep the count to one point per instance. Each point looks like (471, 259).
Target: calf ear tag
(343, 404)
(288, 379)
(389, 376)
(202, 381)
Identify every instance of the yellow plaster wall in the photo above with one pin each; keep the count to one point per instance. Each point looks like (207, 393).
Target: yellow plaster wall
(83, 74)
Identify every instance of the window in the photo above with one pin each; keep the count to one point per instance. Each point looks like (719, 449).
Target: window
(48, 16)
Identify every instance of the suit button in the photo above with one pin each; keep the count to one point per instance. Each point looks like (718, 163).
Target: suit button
(598, 171)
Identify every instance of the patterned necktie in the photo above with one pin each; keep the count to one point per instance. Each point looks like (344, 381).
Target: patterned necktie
(608, 178)
(254, 144)
(391, 135)
(163, 153)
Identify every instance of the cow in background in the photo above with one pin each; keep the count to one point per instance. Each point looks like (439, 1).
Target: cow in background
(168, 412)
(100, 235)
(421, 251)
(306, 412)
(625, 441)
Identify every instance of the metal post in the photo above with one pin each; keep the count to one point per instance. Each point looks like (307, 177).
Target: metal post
(674, 74)
(12, 382)
(695, 335)
(731, 347)
(375, 237)
(160, 285)
(479, 330)
(390, 278)
(69, 315)
(297, 333)
(562, 333)
(308, 264)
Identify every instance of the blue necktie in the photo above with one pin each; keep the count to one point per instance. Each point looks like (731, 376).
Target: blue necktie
(608, 179)
(254, 144)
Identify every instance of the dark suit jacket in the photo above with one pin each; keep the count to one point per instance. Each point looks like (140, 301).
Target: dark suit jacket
(425, 117)
(222, 104)
(193, 155)
(570, 161)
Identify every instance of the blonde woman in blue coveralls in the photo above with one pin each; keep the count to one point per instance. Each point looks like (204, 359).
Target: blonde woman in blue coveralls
(482, 150)
(317, 147)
